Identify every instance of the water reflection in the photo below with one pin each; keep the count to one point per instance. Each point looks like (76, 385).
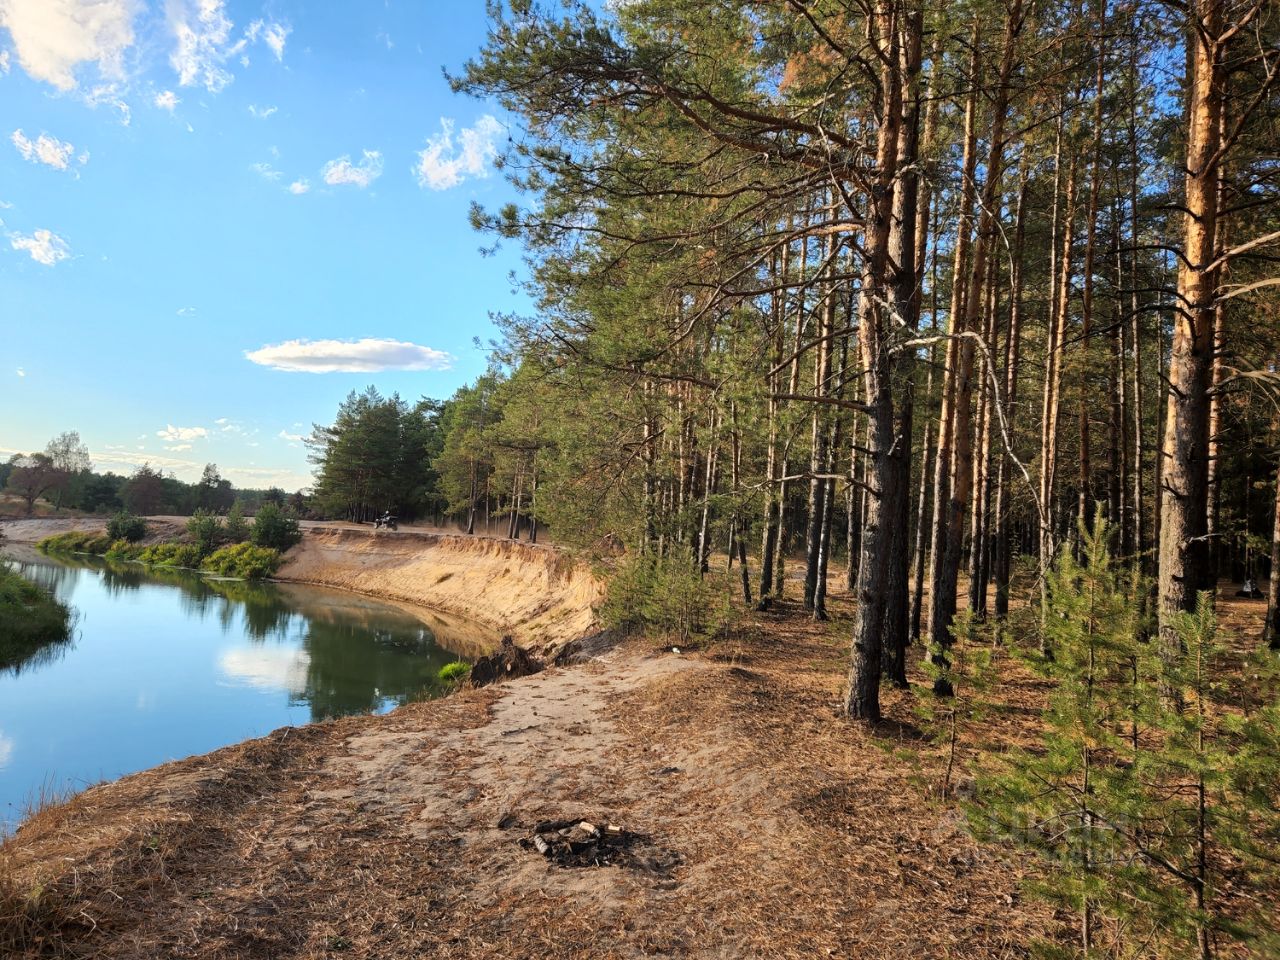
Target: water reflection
(168, 663)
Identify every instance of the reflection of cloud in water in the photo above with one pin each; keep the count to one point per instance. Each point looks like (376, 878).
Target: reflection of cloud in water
(6, 750)
(268, 668)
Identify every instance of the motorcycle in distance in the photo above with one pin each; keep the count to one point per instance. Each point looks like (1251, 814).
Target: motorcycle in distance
(386, 521)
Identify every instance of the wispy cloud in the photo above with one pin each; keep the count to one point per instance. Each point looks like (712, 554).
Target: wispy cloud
(45, 149)
(53, 38)
(293, 438)
(166, 100)
(444, 164)
(261, 112)
(349, 356)
(21, 372)
(44, 246)
(343, 171)
(174, 434)
(266, 171)
(206, 42)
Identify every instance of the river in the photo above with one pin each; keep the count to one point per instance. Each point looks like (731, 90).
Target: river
(166, 664)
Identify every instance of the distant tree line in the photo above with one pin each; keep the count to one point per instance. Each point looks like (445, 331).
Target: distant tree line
(62, 475)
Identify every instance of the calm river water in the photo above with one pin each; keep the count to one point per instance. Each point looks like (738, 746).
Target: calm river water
(164, 665)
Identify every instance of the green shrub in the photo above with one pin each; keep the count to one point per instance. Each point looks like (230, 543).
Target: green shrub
(274, 528)
(236, 529)
(244, 560)
(669, 595)
(125, 526)
(171, 555)
(205, 530)
(454, 673)
(123, 550)
(76, 541)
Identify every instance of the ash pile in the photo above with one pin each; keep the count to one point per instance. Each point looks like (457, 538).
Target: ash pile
(581, 843)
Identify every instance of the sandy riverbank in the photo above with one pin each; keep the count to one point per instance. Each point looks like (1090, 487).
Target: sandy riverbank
(535, 593)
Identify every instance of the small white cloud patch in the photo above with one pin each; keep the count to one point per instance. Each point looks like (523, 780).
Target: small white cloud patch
(266, 171)
(442, 165)
(45, 149)
(166, 100)
(44, 246)
(261, 112)
(349, 356)
(300, 186)
(343, 171)
(174, 434)
(21, 372)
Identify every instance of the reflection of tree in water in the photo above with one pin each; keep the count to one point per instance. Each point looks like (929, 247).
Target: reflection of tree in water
(266, 615)
(356, 669)
(17, 657)
(57, 579)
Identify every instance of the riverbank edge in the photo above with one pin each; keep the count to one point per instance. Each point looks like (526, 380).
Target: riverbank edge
(537, 594)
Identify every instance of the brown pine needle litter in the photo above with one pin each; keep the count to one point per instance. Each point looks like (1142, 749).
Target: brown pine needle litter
(771, 826)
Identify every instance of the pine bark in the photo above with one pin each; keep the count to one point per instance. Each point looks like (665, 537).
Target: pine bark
(1183, 552)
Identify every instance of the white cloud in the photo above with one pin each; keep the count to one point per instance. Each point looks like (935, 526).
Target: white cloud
(261, 112)
(273, 35)
(291, 437)
(21, 372)
(4, 62)
(204, 32)
(52, 38)
(349, 356)
(179, 447)
(441, 165)
(174, 434)
(45, 149)
(166, 100)
(44, 246)
(266, 171)
(300, 186)
(343, 171)
(186, 311)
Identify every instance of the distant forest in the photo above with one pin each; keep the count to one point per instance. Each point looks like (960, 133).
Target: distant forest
(62, 476)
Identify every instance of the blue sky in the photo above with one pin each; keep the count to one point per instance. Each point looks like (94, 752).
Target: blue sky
(219, 217)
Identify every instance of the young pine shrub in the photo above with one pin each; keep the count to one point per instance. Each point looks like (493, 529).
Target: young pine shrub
(236, 528)
(206, 532)
(274, 528)
(669, 595)
(1136, 809)
(125, 526)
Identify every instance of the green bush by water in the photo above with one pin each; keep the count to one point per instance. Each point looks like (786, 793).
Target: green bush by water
(244, 560)
(30, 618)
(454, 673)
(76, 541)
